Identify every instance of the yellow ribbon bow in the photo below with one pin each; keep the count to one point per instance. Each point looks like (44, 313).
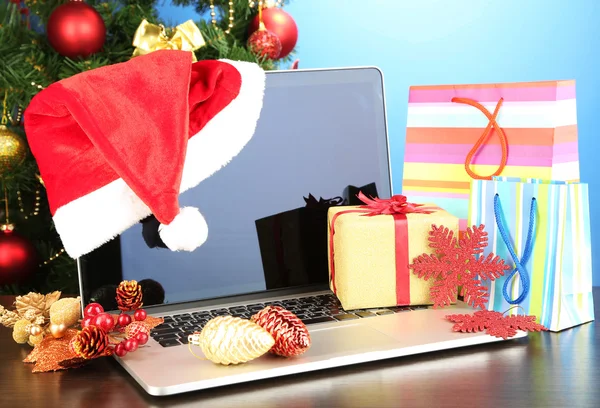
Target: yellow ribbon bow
(151, 37)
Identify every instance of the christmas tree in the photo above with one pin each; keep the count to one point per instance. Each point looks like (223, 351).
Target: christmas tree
(37, 50)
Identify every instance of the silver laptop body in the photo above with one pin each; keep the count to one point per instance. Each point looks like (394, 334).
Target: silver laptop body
(321, 133)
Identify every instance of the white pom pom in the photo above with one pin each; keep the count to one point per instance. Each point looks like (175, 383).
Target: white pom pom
(186, 232)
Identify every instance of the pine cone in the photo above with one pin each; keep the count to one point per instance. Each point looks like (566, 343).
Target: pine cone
(90, 342)
(231, 340)
(129, 295)
(290, 334)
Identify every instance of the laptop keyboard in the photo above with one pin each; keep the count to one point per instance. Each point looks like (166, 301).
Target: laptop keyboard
(311, 310)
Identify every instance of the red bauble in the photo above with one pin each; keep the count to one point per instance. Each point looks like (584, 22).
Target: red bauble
(76, 29)
(131, 344)
(92, 310)
(142, 338)
(87, 321)
(265, 44)
(282, 25)
(120, 349)
(18, 258)
(104, 321)
(124, 319)
(140, 315)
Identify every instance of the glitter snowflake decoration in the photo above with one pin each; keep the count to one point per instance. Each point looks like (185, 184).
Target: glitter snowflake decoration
(456, 263)
(494, 323)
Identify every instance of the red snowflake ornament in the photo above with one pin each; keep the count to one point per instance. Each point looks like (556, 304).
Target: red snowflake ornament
(494, 323)
(456, 263)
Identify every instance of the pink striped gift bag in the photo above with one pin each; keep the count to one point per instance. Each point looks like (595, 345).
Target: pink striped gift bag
(457, 133)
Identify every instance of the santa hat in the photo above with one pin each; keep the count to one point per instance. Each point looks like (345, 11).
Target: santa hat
(121, 142)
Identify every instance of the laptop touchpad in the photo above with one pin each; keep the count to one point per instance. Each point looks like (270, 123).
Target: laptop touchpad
(356, 338)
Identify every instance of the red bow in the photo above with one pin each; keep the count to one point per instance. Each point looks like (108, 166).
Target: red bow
(395, 205)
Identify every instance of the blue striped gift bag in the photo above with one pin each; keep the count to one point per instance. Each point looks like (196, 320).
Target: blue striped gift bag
(542, 229)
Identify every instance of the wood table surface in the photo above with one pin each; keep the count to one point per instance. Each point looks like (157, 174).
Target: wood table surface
(542, 370)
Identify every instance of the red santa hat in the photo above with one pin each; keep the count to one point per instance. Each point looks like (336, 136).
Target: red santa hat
(121, 142)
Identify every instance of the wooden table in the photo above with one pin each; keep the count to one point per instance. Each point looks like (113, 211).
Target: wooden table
(543, 370)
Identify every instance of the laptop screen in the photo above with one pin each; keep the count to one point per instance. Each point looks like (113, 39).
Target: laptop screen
(320, 138)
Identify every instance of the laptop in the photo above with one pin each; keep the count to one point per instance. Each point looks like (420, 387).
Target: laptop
(321, 137)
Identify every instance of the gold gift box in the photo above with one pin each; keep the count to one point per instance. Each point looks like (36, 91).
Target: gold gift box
(365, 256)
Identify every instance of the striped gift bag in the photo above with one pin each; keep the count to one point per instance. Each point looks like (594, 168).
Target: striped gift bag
(542, 229)
(456, 133)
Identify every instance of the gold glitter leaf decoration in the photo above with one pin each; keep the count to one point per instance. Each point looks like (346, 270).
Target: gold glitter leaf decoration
(31, 301)
(50, 353)
(231, 340)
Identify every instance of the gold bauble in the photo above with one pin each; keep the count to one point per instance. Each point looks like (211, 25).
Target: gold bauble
(65, 311)
(231, 340)
(35, 330)
(12, 150)
(37, 339)
(58, 330)
(21, 331)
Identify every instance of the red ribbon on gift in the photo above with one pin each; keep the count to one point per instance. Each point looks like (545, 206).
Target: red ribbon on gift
(397, 206)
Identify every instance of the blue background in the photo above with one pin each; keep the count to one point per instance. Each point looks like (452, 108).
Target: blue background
(459, 41)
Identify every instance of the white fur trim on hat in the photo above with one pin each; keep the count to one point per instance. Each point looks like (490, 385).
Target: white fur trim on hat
(94, 219)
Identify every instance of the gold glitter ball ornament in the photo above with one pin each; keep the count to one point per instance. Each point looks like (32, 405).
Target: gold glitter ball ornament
(21, 331)
(230, 340)
(12, 150)
(37, 339)
(65, 311)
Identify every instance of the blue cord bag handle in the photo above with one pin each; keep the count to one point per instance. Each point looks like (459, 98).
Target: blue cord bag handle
(519, 268)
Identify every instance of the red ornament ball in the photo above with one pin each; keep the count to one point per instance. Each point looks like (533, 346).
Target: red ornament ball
(104, 321)
(18, 258)
(290, 333)
(123, 320)
(87, 321)
(131, 345)
(140, 315)
(265, 44)
(282, 25)
(142, 338)
(76, 29)
(93, 309)
(120, 349)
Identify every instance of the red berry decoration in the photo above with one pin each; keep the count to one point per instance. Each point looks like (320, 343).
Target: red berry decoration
(131, 345)
(140, 315)
(290, 334)
(104, 321)
(87, 321)
(120, 349)
(92, 310)
(123, 320)
(142, 338)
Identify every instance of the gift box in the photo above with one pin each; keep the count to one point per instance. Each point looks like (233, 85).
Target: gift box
(293, 244)
(371, 246)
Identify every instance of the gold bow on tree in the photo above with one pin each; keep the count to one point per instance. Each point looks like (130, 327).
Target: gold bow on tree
(151, 37)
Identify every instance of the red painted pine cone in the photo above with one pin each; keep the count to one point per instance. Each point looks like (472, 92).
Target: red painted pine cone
(129, 295)
(290, 334)
(90, 342)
